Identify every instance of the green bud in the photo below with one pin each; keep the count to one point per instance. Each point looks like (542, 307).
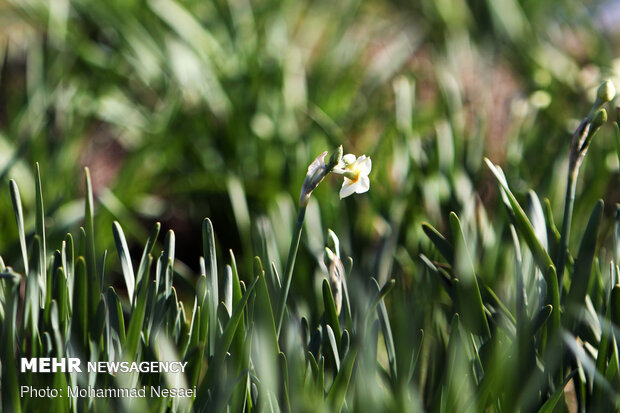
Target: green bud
(598, 119)
(335, 158)
(606, 92)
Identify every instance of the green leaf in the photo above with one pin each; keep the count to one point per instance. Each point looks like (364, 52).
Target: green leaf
(125, 258)
(116, 313)
(79, 320)
(235, 284)
(137, 316)
(33, 292)
(615, 305)
(386, 329)
(100, 321)
(440, 242)
(331, 317)
(540, 319)
(583, 265)
(167, 261)
(263, 310)
(385, 290)
(331, 339)
(553, 298)
(521, 221)
(61, 293)
(19, 218)
(145, 261)
(231, 325)
(40, 232)
(68, 264)
(201, 290)
(553, 234)
(10, 383)
(208, 245)
(550, 404)
(94, 283)
(284, 371)
(338, 390)
(468, 292)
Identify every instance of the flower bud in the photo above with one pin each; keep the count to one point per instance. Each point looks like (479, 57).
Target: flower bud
(335, 158)
(599, 118)
(606, 92)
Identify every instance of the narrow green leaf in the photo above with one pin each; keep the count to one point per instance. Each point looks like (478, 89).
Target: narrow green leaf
(331, 317)
(231, 325)
(553, 298)
(236, 286)
(61, 294)
(615, 305)
(388, 339)
(137, 316)
(550, 404)
(33, 292)
(284, 371)
(385, 290)
(468, 292)
(99, 322)
(228, 290)
(331, 340)
(116, 313)
(540, 319)
(583, 265)
(263, 311)
(79, 321)
(521, 221)
(125, 258)
(94, 284)
(601, 359)
(145, 262)
(208, 245)
(40, 231)
(415, 356)
(19, 218)
(167, 262)
(440, 242)
(201, 290)
(553, 234)
(68, 264)
(10, 384)
(338, 390)
(321, 375)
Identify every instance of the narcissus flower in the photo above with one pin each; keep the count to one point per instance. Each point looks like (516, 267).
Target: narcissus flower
(355, 172)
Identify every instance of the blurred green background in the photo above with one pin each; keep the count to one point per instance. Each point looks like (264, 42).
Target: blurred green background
(187, 109)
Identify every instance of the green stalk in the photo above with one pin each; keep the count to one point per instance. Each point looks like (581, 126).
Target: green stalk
(290, 264)
(569, 203)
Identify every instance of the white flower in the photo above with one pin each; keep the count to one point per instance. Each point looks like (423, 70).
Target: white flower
(355, 172)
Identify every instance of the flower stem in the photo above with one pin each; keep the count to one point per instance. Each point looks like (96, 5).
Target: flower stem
(569, 202)
(290, 264)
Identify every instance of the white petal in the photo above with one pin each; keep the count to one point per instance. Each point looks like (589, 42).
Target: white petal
(364, 166)
(362, 185)
(348, 188)
(348, 158)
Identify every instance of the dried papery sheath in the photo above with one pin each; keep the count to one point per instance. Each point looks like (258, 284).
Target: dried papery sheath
(336, 276)
(316, 172)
